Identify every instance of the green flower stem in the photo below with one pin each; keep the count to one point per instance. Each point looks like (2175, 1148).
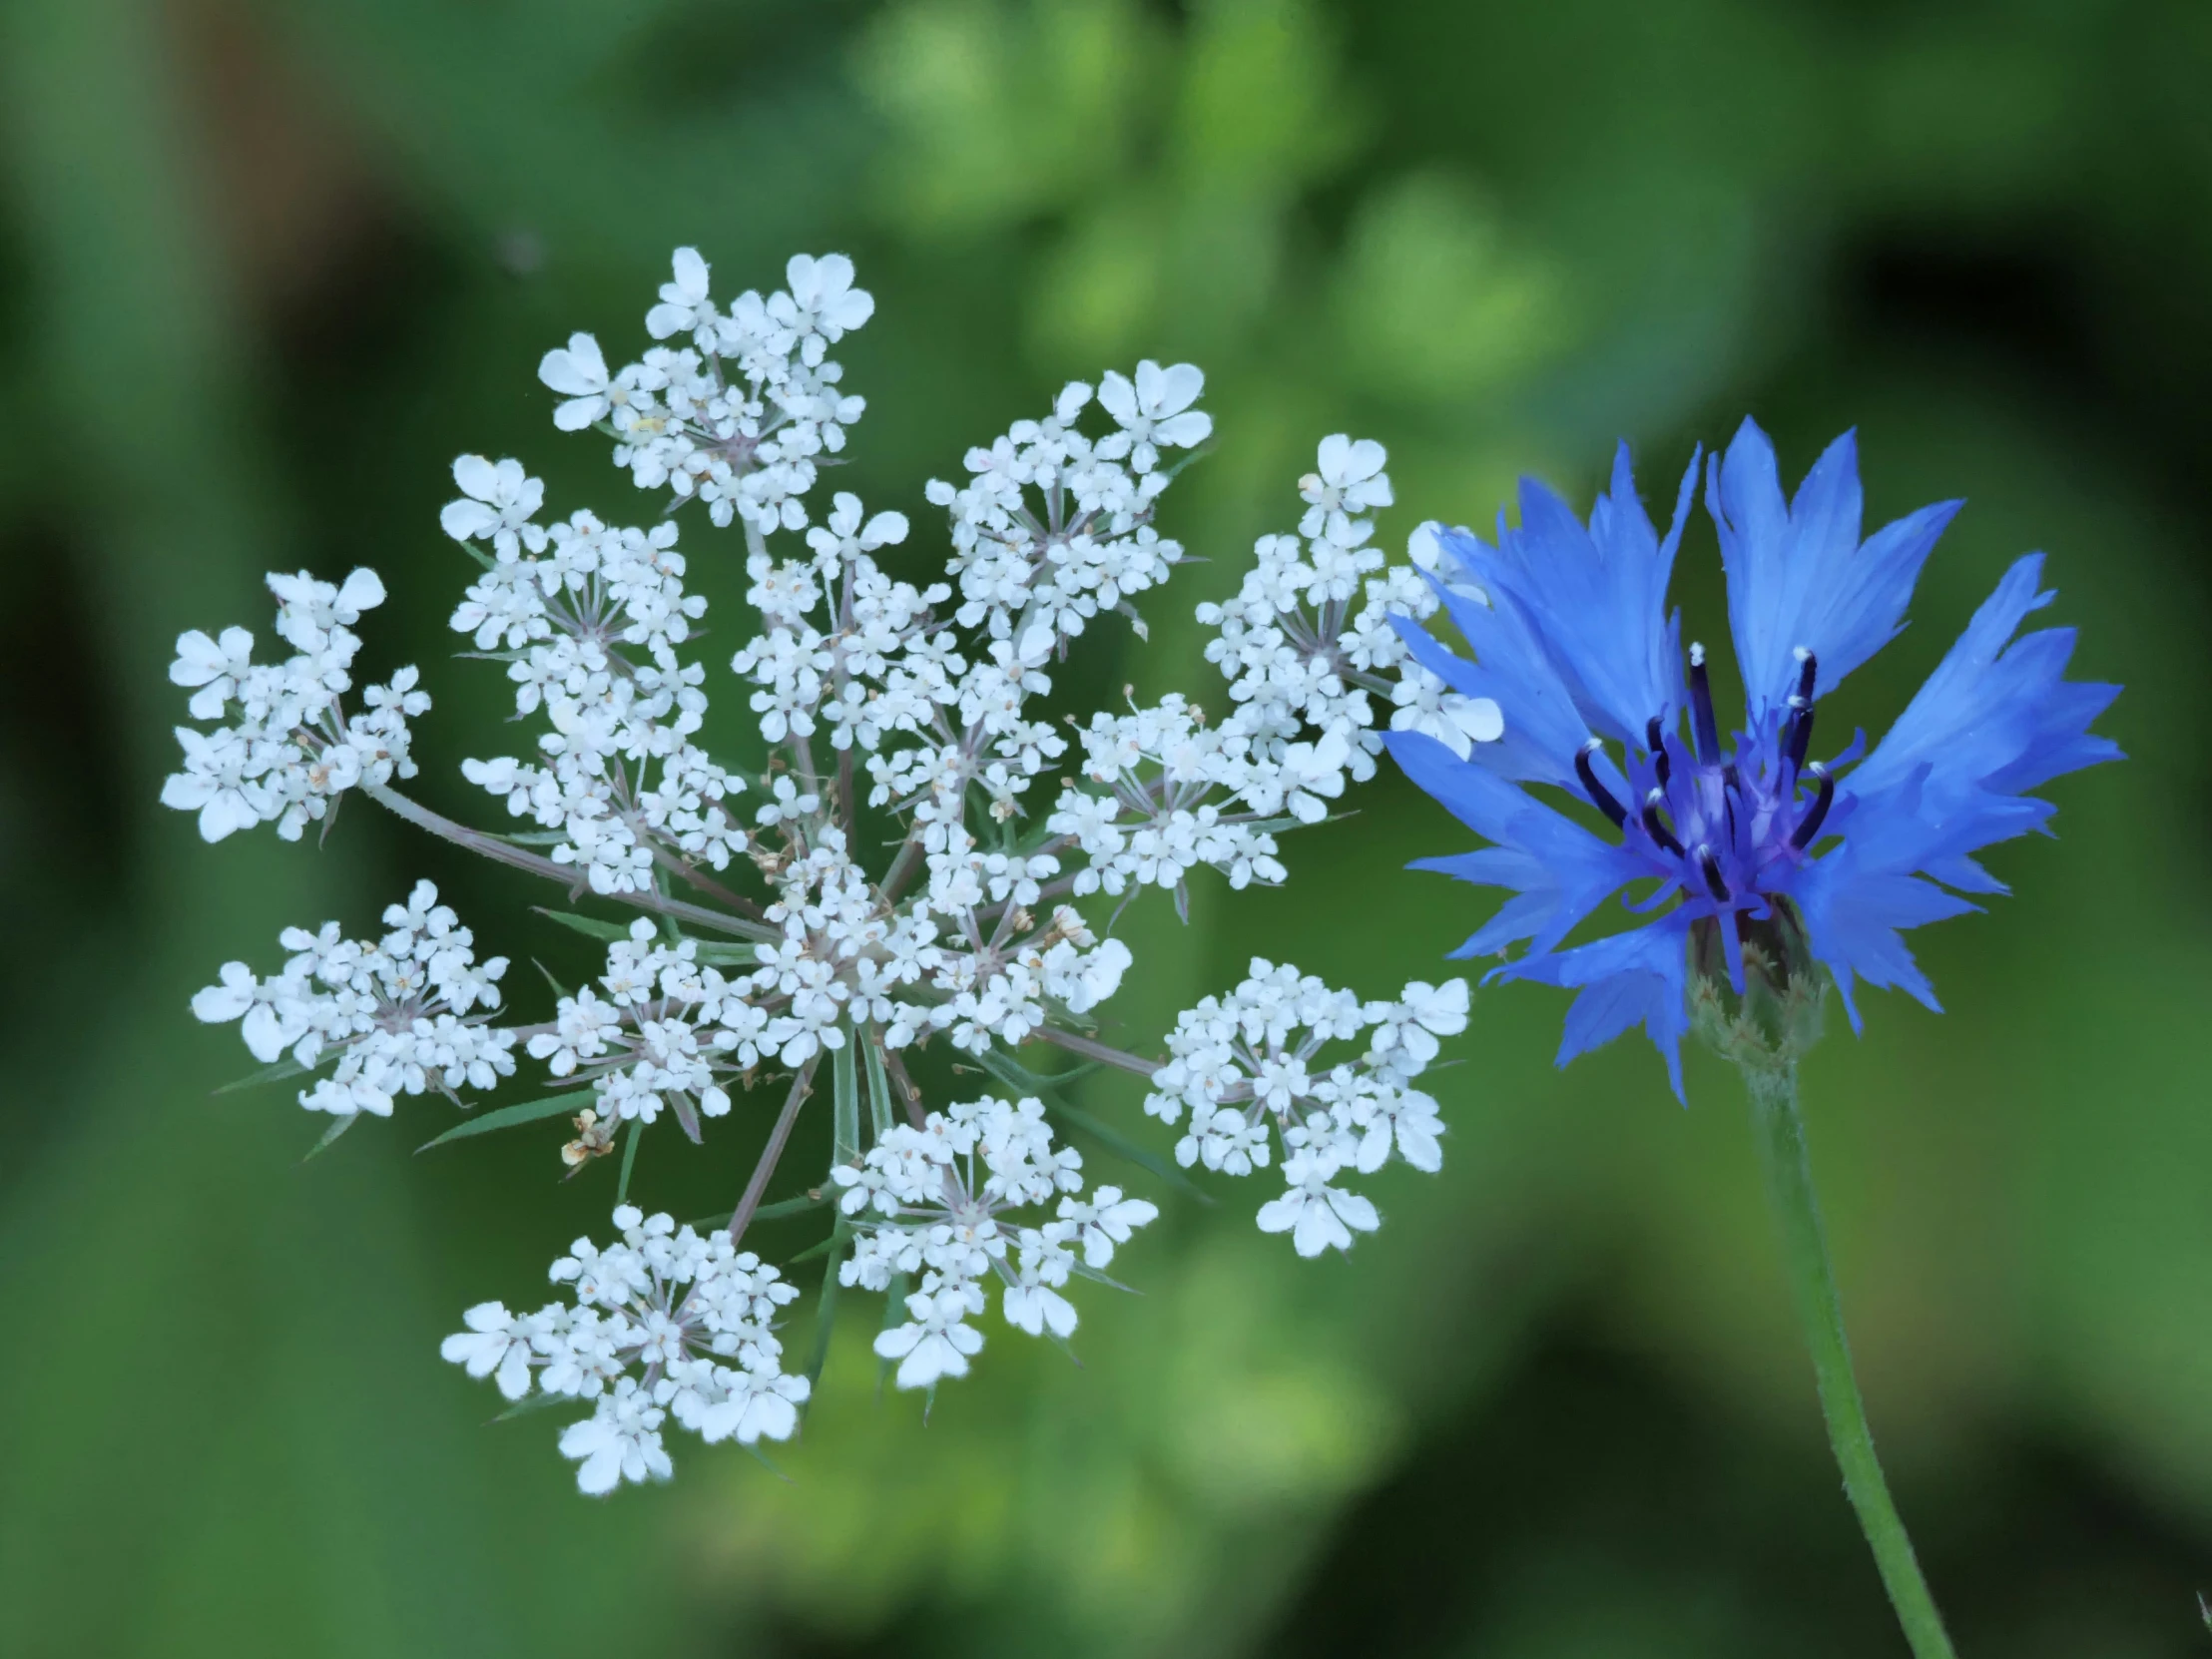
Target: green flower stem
(1813, 1280)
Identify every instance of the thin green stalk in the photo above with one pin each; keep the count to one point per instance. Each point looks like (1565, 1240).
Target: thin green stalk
(845, 1099)
(1813, 1280)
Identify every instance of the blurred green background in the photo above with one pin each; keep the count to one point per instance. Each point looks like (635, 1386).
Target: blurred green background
(264, 268)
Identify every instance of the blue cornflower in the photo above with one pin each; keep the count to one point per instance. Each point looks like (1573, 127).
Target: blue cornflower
(1751, 836)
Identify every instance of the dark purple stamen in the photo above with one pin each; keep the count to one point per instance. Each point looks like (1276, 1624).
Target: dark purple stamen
(1701, 709)
(1658, 832)
(1656, 742)
(1797, 735)
(1816, 815)
(1712, 869)
(1600, 797)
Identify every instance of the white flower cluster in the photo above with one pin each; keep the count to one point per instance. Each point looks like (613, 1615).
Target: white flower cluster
(291, 750)
(772, 937)
(1248, 1061)
(694, 1319)
(1053, 526)
(1301, 665)
(621, 779)
(920, 1209)
(397, 1016)
(663, 1030)
(736, 419)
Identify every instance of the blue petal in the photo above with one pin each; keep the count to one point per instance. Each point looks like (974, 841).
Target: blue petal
(1511, 667)
(1992, 720)
(1560, 870)
(1625, 979)
(1797, 573)
(1855, 917)
(1997, 716)
(1596, 597)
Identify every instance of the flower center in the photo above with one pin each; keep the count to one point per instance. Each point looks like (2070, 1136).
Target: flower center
(1715, 821)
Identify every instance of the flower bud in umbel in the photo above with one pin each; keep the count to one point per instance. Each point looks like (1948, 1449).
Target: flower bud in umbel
(1775, 1020)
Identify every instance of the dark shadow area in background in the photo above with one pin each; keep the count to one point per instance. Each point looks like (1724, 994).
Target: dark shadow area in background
(2050, 313)
(1697, 1534)
(63, 822)
(2020, 297)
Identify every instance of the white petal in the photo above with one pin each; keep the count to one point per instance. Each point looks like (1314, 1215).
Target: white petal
(477, 476)
(265, 1033)
(1183, 431)
(1117, 397)
(690, 273)
(1356, 1210)
(802, 278)
(1174, 388)
(578, 372)
(364, 591)
(601, 1472)
(220, 1005)
(1318, 1229)
(514, 1371)
(1059, 1313)
(772, 1416)
(463, 519)
(578, 413)
(199, 660)
(1481, 719)
(186, 793)
(225, 812)
(1418, 1145)
(1279, 1215)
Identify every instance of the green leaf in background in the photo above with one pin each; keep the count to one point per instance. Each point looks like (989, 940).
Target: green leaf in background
(825, 1304)
(329, 1137)
(509, 1117)
(274, 1072)
(532, 1403)
(881, 1112)
(630, 1141)
(590, 926)
(845, 1146)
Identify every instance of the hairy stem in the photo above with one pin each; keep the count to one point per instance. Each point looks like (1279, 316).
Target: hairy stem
(1813, 1280)
(1098, 1051)
(847, 809)
(909, 1096)
(697, 878)
(504, 853)
(772, 1153)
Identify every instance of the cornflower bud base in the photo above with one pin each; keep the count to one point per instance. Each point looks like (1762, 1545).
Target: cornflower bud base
(1776, 1019)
